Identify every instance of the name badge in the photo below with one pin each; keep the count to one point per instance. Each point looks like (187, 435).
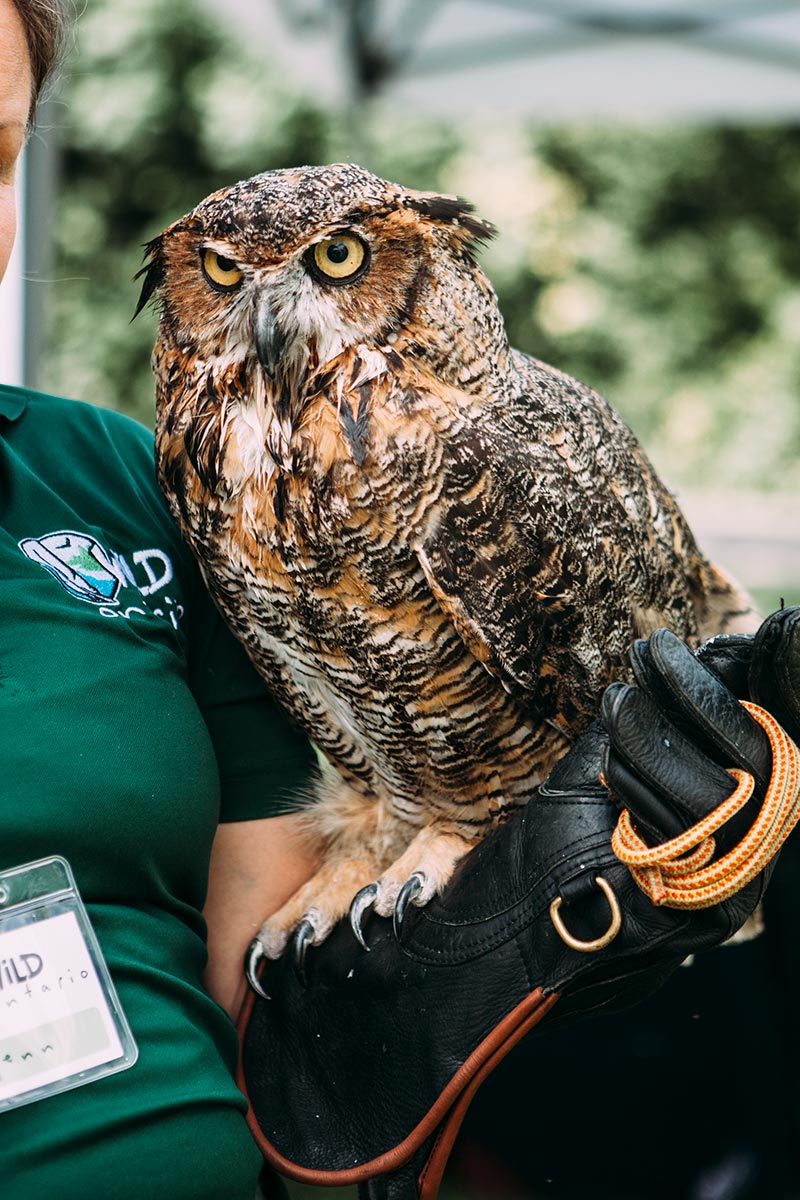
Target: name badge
(61, 1022)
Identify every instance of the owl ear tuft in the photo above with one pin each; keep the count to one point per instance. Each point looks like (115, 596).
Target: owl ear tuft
(153, 272)
(470, 231)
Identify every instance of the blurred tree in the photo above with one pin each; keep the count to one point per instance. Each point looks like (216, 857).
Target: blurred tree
(687, 243)
(161, 107)
(660, 265)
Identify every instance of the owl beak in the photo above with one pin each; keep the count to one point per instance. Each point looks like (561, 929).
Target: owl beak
(270, 340)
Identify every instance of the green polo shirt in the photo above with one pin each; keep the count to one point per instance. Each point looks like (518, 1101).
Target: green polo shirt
(131, 723)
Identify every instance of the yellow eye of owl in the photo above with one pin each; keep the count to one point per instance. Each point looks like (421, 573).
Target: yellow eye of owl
(340, 257)
(220, 272)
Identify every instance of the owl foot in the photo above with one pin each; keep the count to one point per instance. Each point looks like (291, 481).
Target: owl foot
(308, 916)
(364, 902)
(421, 873)
(301, 939)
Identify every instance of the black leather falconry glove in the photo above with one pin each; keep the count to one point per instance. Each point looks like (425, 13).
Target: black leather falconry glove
(361, 1072)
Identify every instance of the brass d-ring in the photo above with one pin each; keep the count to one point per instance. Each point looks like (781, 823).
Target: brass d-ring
(598, 943)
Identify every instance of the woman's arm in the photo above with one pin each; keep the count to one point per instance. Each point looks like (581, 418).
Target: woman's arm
(255, 867)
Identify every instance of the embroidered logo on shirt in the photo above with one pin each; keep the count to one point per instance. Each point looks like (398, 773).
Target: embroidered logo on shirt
(90, 572)
(79, 563)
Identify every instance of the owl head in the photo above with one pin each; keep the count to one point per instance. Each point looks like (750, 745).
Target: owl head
(283, 272)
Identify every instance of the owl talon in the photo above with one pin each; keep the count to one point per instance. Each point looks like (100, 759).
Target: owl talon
(362, 903)
(407, 894)
(303, 937)
(255, 953)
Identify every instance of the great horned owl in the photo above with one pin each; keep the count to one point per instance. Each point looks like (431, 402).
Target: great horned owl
(436, 550)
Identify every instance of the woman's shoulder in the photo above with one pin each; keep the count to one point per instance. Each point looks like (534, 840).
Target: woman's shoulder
(85, 438)
(80, 417)
(96, 460)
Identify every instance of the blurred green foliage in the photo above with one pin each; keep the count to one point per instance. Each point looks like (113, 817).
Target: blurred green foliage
(660, 265)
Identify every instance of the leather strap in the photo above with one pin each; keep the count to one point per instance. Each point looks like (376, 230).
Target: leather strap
(443, 1119)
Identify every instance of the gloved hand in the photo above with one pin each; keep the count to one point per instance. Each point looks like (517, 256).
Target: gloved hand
(363, 1070)
(700, 732)
(693, 730)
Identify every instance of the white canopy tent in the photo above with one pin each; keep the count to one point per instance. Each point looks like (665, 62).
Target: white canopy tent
(545, 60)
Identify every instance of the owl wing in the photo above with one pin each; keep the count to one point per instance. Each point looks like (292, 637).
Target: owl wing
(494, 613)
(553, 544)
(482, 556)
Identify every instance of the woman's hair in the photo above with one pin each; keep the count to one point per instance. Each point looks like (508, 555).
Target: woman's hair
(45, 24)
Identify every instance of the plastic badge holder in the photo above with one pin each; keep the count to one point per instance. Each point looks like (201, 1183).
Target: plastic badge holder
(61, 1023)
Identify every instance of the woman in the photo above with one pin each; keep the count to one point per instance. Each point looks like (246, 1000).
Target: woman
(137, 744)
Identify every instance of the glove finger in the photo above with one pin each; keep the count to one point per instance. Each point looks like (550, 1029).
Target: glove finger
(775, 668)
(652, 816)
(665, 778)
(728, 656)
(700, 705)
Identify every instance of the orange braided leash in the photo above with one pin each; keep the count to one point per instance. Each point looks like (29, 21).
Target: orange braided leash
(680, 874)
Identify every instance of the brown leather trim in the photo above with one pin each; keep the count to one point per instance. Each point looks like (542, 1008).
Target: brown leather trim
(431, 1174)
(448, 1110)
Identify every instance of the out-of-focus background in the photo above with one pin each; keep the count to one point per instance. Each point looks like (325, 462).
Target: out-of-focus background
(640, 159)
